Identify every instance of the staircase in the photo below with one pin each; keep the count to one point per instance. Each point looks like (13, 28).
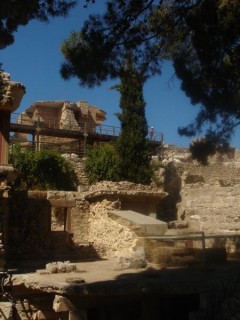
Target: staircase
(172, 250)
(168, 247)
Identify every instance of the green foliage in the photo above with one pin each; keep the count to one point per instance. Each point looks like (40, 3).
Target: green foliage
(16, 13)
(210, 69)
(201, 149)
(98, 51)
(204, 147)
(134, 163)
(102, 163)
(42, 170)
(201, 37)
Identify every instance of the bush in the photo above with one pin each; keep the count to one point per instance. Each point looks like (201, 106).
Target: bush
(45, 169)
(102, 164)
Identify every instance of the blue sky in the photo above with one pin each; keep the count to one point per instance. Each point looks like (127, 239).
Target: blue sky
(35, 60)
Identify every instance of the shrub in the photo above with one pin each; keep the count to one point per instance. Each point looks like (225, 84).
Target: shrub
(102, 163)
(45, 169)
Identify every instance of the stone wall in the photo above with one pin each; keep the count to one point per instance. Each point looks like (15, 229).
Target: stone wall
(209, 193)
(36, 228)
(55, 224)
(80, 222)
(95, 231)
(208, 197)
(109, 238)
(78, 165)
(212, 193)
(29, 226)
(218, 208)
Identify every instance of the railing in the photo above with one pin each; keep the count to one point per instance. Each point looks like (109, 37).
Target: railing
(202, 237)
(108, 130)
(68, 124)
(71, 124)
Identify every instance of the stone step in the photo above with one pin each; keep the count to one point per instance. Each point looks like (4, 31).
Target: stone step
(168, 242)
(173, 261)
(180, 252)
(170, 255)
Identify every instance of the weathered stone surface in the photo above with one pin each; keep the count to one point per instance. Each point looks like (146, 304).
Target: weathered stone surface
(210, 192)
(179, 224)
(133, 259)
(11, 93)
(59, 267)
(141, 224)
(62, 304)
(108, 237)
(78, 164)
(75, 280)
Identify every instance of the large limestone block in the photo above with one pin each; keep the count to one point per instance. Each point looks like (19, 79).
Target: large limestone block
(143, 225)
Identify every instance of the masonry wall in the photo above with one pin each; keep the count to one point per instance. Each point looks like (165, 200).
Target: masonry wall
(29, 226)
(80, 222)
(35, 229)
(212, 193)
(109, 237)
(209, 192)
(78, 165)
(218, 208)
(208, 195)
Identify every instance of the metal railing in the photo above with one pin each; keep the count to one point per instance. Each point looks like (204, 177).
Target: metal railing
(202, 237)
(87, 126)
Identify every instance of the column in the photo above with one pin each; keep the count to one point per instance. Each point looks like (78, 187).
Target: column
(4, 136)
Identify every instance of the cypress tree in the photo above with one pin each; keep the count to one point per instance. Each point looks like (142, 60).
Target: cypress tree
(134, 163)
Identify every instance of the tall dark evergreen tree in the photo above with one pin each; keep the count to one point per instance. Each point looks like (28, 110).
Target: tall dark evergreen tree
(134, 163)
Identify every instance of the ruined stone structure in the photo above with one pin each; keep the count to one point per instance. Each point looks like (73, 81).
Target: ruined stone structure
(207, 194)
(65, 115)
(100, 253)
(78, 226)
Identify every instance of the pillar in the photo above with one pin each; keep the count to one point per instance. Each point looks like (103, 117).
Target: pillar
(10, 98)
(4, 136)
(67, 220)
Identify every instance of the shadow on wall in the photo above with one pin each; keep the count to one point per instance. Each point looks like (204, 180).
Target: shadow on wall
(167, 209)
(30, 236)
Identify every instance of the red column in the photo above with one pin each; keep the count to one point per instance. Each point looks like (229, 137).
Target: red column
(4, 136)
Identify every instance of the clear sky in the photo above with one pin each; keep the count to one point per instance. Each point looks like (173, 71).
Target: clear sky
(35, 60)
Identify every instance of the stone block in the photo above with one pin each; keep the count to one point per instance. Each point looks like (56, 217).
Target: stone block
(146, 226)
(131, 260)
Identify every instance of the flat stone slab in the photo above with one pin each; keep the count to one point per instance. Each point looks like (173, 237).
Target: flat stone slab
(102, 279)
(148, 226)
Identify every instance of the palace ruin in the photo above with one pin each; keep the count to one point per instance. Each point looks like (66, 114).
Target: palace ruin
(121, 250)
